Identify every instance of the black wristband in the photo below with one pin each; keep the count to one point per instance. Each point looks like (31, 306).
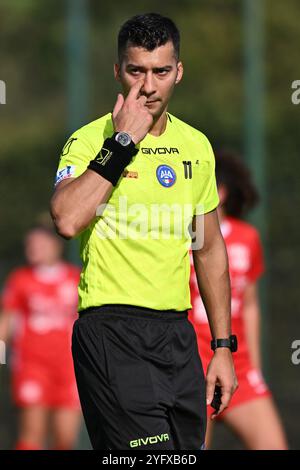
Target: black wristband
(112, 159)
(230, 343)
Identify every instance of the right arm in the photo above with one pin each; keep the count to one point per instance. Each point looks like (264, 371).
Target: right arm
(75, 201)
(251, 317)
(6, 332)
(6, 326)
(251, 308)
(11, 305)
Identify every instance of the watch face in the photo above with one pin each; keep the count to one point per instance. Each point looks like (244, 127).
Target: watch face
(123, 138)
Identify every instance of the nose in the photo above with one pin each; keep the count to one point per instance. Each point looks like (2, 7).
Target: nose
(149, 85)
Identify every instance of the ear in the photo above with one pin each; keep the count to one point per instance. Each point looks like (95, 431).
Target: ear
(179, 72)
(117, 72)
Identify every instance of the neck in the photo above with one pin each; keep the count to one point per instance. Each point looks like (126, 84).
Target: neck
(48, 264)
(159, 124)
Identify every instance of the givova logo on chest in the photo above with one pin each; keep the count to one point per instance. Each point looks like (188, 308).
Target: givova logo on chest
(159, 150)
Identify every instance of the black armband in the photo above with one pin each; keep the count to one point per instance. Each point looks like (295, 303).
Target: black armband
(112, 159)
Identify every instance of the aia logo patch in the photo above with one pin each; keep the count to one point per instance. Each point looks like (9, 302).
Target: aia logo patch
(166, 175)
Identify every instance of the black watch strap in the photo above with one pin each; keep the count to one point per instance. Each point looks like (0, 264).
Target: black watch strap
(230, 343)
(112, 158)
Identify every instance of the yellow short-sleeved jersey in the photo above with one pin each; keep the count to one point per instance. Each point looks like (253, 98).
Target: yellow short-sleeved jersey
(136, 251)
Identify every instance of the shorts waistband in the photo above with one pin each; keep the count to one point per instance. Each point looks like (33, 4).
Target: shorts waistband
(135, 312)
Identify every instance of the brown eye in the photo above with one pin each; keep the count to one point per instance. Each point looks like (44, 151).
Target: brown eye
(161, 73)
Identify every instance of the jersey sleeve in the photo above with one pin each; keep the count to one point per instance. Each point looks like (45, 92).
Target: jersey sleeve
(75, 156)
(257, 260)
(206, 194)
(12, 300)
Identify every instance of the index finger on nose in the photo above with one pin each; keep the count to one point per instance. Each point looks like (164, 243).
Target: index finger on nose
(135, 90)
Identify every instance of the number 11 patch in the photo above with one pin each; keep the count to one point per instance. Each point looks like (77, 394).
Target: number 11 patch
(187, 170)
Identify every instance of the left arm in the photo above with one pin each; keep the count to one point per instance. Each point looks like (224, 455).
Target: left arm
(251, 317)
(211, 266)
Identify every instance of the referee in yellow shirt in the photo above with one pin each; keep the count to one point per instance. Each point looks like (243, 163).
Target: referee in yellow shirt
(134, 186)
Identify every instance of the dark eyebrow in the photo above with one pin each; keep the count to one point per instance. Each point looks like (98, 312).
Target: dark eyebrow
(156, 69)
(133, 66)
(159, 69)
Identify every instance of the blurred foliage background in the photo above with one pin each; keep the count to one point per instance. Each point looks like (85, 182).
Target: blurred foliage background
(34, 127)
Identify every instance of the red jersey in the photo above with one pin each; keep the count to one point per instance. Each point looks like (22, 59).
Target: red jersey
(44, 302)
(245, 266)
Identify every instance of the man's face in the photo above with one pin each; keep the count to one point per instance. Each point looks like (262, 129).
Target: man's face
(42, 248)
(158, 68)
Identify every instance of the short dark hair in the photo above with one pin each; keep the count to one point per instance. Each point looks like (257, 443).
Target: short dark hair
(232, 172)
(149, 31)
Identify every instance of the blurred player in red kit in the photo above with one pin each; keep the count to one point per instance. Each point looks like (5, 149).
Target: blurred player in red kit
(252, 414)
(39, 308)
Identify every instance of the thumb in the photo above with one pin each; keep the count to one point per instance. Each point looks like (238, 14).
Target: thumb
(118, 105)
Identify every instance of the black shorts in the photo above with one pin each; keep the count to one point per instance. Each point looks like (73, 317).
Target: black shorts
(139, 378)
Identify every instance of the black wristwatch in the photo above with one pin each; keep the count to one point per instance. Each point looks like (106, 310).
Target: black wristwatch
(230, 343)
(123, 138)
